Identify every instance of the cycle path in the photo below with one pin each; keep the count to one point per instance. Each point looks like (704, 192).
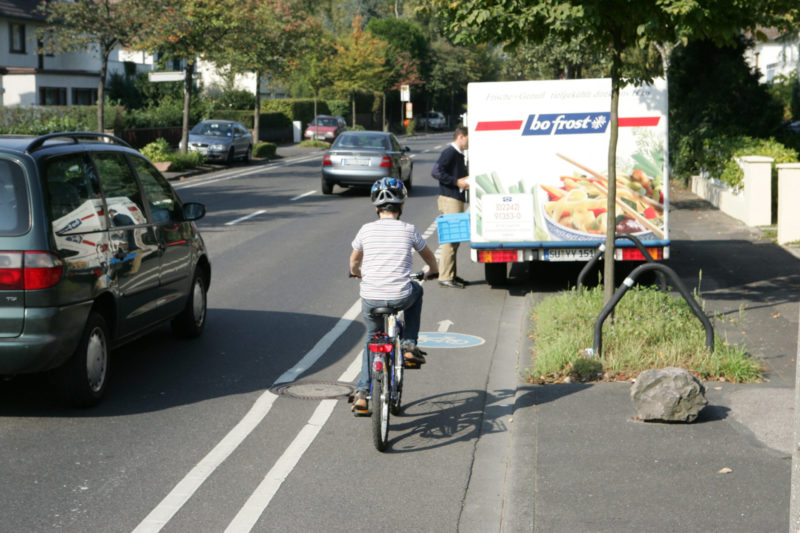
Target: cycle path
(579, 461)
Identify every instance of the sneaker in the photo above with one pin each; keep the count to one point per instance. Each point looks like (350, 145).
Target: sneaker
(359, 402)
(413, 355)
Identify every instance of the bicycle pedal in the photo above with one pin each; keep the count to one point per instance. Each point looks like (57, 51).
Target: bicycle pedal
(411, 364)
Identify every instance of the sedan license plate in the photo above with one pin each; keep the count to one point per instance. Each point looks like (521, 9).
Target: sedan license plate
(568, 254)
(356, 162)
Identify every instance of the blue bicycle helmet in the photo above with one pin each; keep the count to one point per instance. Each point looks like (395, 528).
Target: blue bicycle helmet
(388, 191)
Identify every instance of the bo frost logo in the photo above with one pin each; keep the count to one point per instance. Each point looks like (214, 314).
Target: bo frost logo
(566, 123)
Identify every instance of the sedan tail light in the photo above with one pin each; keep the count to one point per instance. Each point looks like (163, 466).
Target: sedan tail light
(326, 160)
(386, 162)
(29, 270)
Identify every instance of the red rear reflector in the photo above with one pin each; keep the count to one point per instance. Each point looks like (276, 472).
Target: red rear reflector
(377, 365)
(326, 160)
(497, 256)
(633, 254)
(386, 162)
(380, 348)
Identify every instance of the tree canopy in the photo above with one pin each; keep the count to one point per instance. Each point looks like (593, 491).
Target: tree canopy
(86, 24)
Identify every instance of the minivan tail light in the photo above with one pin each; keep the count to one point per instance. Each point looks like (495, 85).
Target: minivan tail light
(29, 270)
(11, 276)
(42, 270)
(386, 162)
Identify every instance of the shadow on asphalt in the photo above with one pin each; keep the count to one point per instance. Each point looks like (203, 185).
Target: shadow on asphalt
(236, 355)
(448, 418)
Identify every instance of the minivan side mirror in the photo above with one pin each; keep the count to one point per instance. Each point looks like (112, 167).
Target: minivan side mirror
(193, 211)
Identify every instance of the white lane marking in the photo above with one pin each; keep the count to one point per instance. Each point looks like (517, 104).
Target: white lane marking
(429, 231)
(197, 182)
(309, 193)
(184, 490)
(258, 501)
(324, 343)
(247, 217)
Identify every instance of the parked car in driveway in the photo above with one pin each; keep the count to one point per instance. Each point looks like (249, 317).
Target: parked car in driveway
(221, 140)
(358, 158)
(325, 128)
(96, 248)
(433, 120)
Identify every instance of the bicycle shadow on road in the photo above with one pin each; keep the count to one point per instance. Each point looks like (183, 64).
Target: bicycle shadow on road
(458, 416)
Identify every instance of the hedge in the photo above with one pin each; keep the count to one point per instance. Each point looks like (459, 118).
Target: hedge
(40, 120)
(302, 109)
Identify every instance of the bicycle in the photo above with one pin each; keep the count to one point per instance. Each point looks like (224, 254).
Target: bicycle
(386, 381)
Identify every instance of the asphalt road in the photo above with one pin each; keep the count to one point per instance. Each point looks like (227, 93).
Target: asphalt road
(190, 437)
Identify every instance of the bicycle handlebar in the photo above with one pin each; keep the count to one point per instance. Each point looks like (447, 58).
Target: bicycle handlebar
(422, 274)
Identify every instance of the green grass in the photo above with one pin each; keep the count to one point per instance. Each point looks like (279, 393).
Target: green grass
(313, 143)
(650, 329)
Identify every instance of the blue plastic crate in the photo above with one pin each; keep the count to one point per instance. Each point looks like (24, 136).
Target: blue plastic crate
(453, 228)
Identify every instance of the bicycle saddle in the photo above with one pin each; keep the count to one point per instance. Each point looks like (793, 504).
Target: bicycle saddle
(382, 311)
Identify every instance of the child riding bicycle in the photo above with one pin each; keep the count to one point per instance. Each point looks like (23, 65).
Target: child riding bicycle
(382, 258)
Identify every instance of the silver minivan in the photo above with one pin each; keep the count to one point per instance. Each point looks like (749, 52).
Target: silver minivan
(96, 249)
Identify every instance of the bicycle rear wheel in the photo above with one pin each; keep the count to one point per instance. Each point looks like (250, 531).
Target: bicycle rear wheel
(380, 410)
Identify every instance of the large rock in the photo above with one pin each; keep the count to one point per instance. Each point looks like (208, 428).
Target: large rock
(670, 394)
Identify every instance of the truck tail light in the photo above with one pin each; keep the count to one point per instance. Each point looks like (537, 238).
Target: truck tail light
(498, 256)
(633, 254)
(29, 270)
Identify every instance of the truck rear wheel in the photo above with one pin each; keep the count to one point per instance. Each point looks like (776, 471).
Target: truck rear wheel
(496, 273)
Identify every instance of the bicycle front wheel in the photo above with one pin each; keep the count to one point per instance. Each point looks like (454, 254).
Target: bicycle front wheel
(380, 411)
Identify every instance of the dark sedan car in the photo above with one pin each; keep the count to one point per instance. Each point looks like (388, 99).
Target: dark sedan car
(358, 158)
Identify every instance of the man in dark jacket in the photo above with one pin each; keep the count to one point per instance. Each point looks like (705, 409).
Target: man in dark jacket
(451, 172)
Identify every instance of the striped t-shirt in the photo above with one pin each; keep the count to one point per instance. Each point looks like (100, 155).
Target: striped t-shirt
(387, 244)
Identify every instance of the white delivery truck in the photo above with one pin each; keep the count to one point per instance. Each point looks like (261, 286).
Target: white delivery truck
(538, 154)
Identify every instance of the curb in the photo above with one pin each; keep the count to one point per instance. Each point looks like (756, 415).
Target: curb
(486, 505)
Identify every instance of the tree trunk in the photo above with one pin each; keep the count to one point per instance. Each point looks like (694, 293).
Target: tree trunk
(257, 110)
(187, 100)
(353, 97)
(101, 86)
(611, 206)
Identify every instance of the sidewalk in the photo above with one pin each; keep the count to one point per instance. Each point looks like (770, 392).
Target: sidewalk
(579, 460)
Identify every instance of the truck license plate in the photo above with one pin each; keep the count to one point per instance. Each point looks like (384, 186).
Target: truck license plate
(568, 254)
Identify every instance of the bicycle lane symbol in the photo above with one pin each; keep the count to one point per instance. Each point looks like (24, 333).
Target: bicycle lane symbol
(431, 339)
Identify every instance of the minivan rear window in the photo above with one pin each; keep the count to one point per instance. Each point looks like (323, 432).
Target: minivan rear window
(14, 216)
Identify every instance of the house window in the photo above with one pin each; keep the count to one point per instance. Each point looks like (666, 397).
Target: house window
(84, 96)
(52, 96)
(17, 35)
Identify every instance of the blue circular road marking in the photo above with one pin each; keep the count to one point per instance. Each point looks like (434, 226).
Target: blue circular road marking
(435, 339)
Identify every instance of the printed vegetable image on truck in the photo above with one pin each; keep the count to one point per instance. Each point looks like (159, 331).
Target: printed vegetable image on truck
(539, 186)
